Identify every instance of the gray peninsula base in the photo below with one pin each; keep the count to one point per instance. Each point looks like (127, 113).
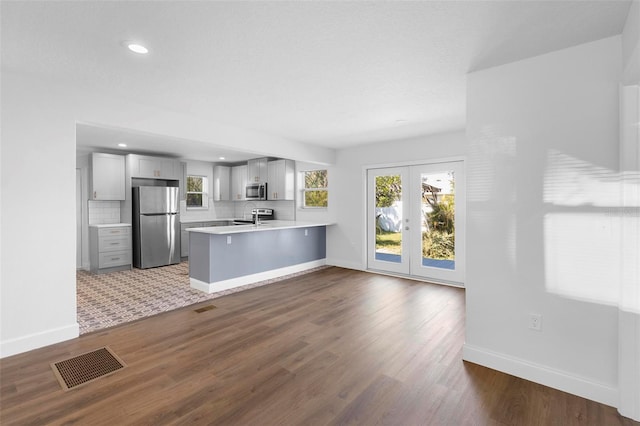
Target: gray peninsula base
(222, 261)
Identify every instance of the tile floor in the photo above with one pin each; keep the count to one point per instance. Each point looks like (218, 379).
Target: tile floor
(111, 299)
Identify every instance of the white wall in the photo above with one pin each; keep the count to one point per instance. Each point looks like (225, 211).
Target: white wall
(38, 217)
(346, 239)
(629, 313)
(38, 304)
(631, 44)
(542, 236)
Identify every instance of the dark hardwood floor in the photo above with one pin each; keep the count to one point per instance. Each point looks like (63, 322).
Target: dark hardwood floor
(332, 347)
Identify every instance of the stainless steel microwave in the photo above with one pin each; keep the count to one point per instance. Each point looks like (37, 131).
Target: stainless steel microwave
(256, 191)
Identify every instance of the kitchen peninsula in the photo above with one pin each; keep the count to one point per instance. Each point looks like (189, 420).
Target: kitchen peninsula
(225, 257)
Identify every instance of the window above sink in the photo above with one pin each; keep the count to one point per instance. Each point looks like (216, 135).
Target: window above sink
(196, 192)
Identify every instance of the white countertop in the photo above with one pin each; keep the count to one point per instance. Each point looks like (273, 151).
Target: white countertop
(110, 225)
(223, 219)
(267, 225)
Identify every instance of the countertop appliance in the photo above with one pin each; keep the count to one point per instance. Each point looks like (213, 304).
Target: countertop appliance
(262, 214)
(156, 226)
(256, 191)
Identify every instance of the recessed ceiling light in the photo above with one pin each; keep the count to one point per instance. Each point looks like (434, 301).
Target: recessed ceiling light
(136, 47)
(221, 158)
(122, 145)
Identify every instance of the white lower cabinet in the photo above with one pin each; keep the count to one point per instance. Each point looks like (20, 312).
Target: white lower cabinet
(184, 234)
(184, 237)
(110, 248)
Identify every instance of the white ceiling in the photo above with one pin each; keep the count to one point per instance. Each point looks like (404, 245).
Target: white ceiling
(333, 74)
(93, 138)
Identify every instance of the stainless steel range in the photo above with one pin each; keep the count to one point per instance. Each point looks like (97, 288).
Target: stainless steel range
(258, 214)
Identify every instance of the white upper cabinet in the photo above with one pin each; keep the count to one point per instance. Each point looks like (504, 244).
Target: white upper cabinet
(221, 183)
(238, 183)
(257, 170)
(281, 178)
(154, 167)
(107, 177)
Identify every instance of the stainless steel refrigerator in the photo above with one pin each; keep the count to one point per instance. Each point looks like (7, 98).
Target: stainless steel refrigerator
(156, 226)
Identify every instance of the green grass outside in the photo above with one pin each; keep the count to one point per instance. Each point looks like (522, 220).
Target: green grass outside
(389, 242)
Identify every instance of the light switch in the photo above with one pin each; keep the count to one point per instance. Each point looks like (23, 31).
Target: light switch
(228, 239)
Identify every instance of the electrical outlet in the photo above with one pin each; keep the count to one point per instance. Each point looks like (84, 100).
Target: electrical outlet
(228, 239)
(535, 322)
(306, 232)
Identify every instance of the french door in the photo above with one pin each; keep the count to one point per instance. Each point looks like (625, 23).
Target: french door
(415, 221)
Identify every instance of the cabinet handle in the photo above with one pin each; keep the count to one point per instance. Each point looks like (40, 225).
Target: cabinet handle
(115, 244)
(95, 194)
(115, 258)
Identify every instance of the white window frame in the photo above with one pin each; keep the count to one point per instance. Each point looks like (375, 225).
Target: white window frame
(204, 193)
(304, 190)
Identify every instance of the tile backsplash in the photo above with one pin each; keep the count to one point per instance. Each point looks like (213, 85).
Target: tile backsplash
(101, 212)
(216, 210)
(284, 210)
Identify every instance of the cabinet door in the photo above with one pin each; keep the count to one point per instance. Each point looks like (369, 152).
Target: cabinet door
(142, 166)
(257, 170)
(252, 171)
(238, 182)
(273, 179)
(114, 258)
(221, 183)
(148, 167)
(288, 180)
(280, 183)
(184, 237)
(107, 177)
(168, 169)
(262, 170)
(115, 243)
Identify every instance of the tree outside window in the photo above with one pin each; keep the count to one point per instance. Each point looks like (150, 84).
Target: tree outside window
(315, 193)
(196, 192)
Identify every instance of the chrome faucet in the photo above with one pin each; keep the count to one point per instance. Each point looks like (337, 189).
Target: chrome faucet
(254, 212)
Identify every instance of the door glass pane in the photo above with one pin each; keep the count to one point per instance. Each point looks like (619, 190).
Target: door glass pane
(438, 224)
(388, 218)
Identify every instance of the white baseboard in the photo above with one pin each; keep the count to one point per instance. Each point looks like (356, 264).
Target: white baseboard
(348, 265)
(253, 278)
(541, 374)
(38, 340)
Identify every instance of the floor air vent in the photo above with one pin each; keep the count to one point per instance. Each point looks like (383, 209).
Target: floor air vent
(86, 368)
(204, 309)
